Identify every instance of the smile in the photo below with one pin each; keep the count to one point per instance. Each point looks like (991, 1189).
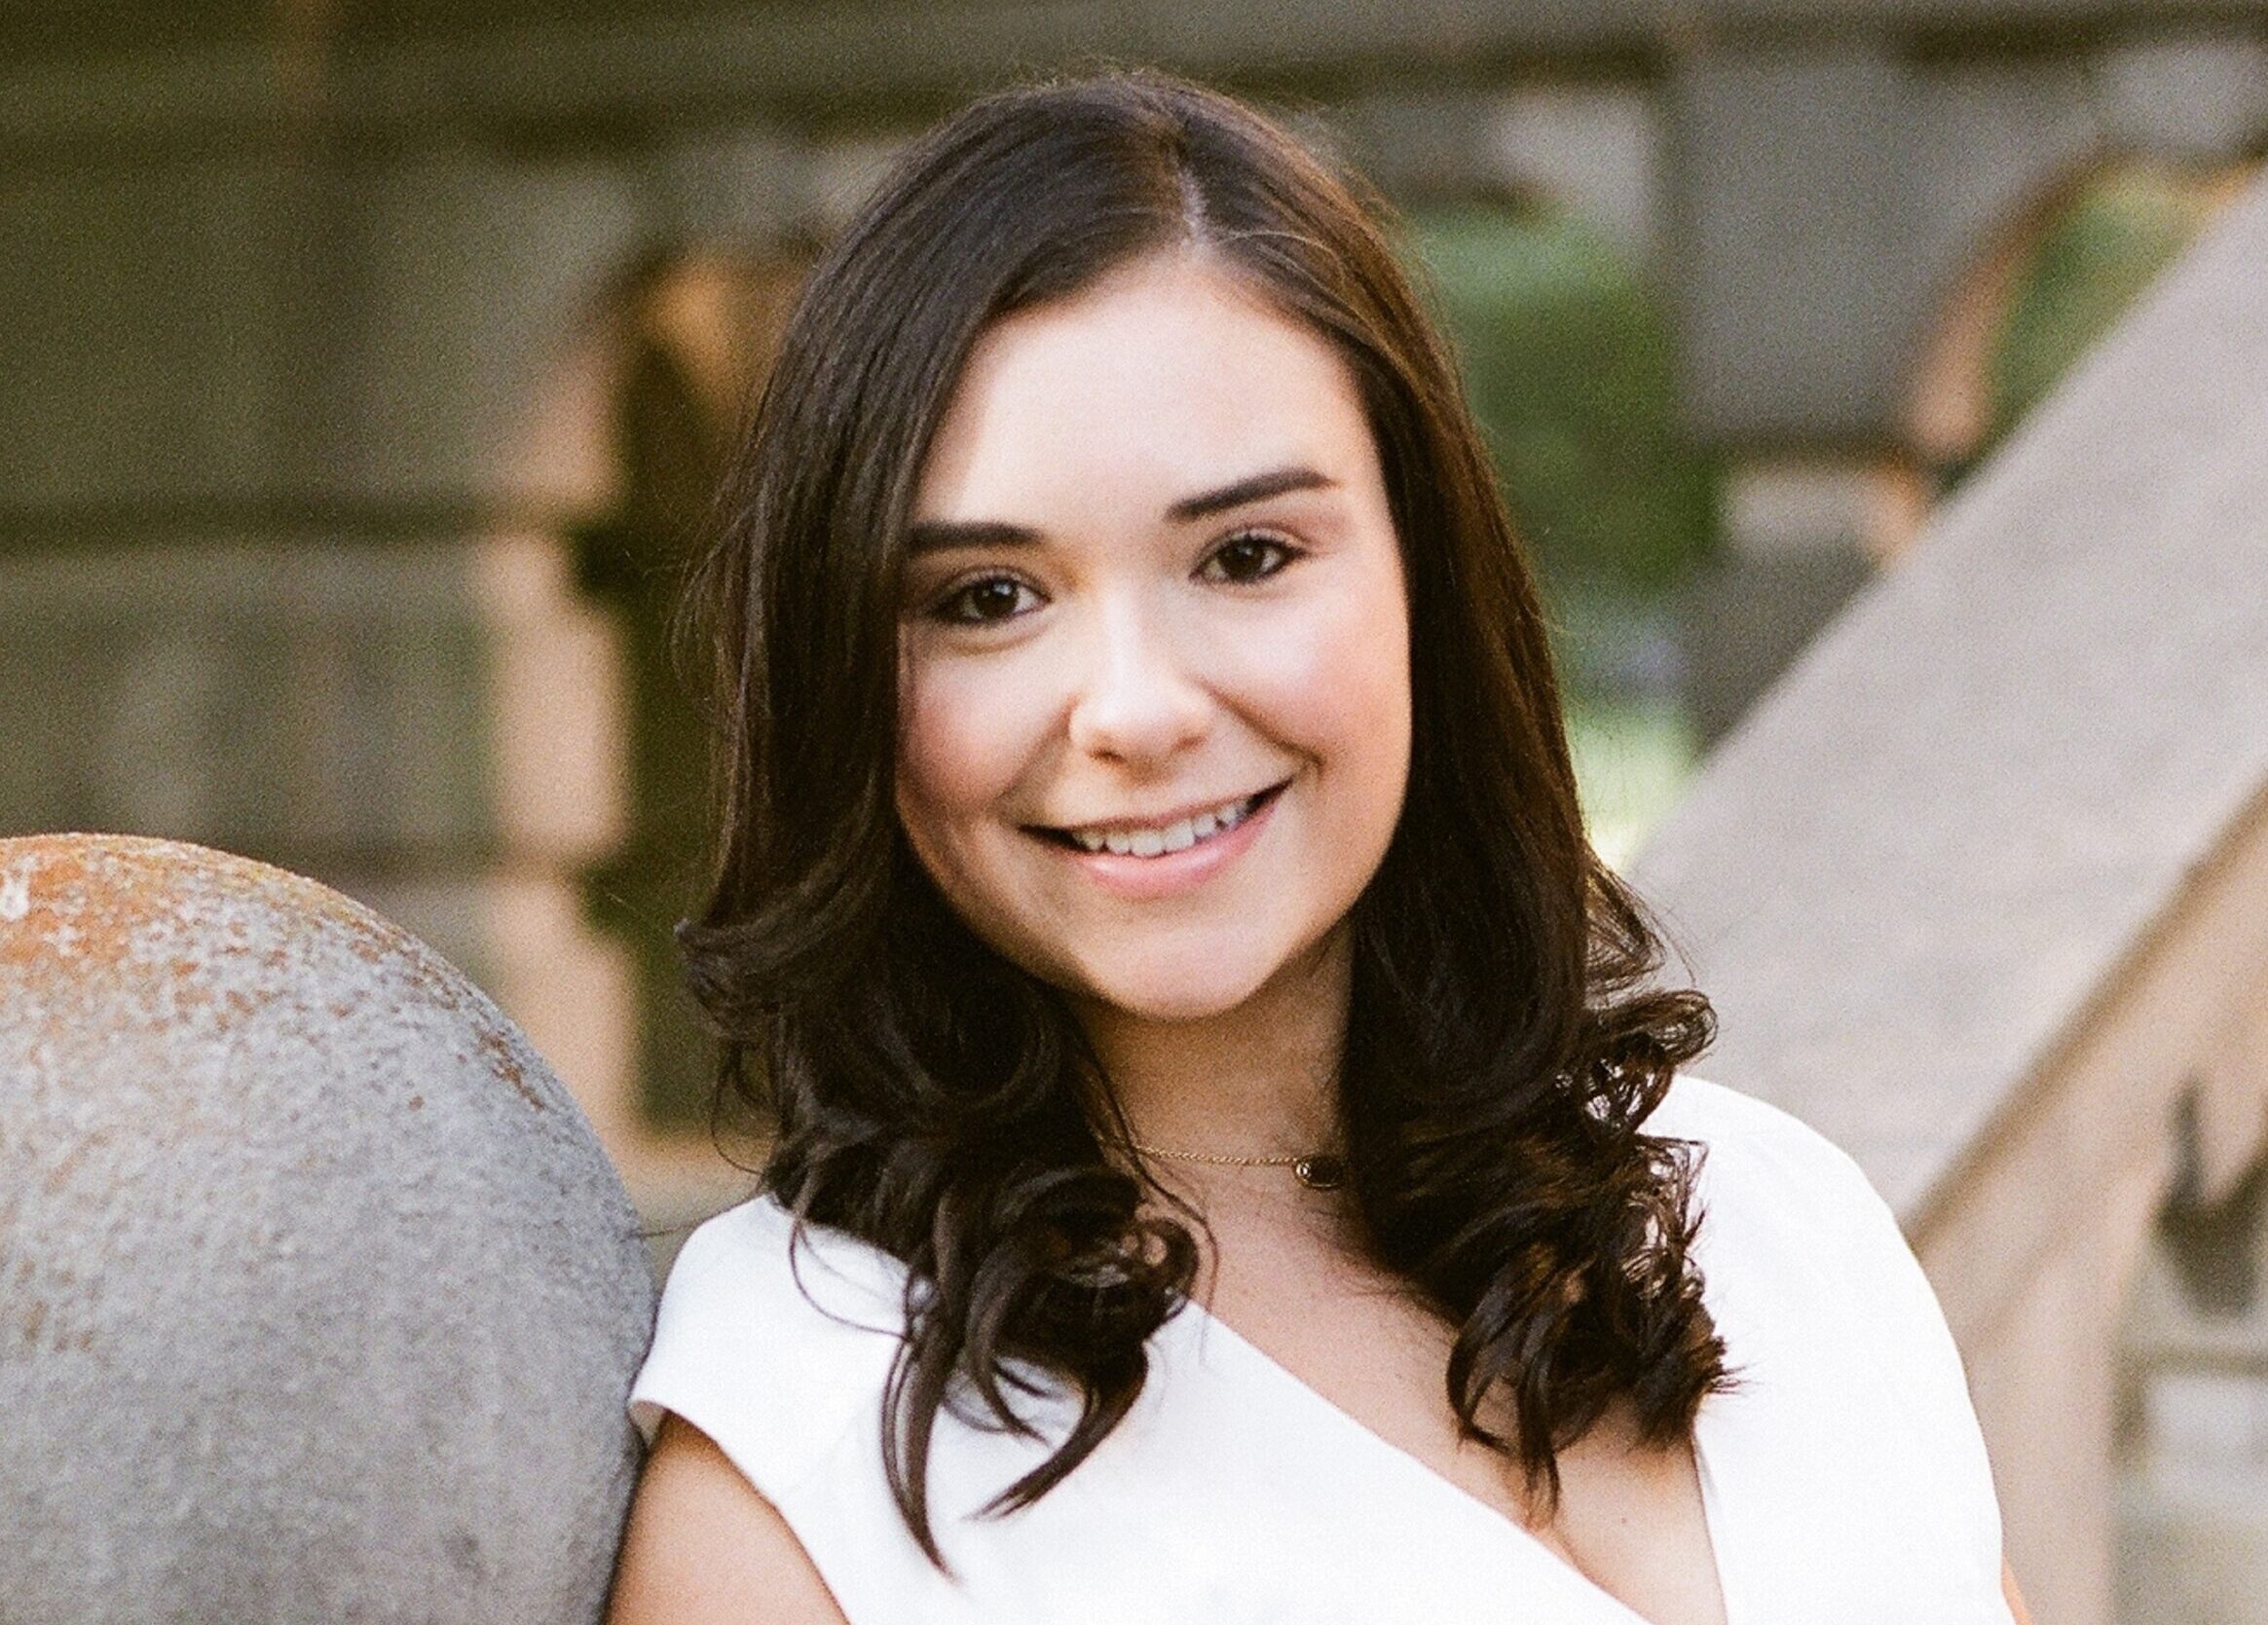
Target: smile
(1158, 840)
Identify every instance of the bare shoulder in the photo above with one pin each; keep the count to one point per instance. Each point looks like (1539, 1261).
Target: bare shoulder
(703, 1548)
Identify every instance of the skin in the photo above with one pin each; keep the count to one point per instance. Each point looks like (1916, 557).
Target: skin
(1080, 648)
(1132, 663)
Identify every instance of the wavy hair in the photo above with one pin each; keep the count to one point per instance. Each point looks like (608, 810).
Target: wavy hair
(1508, 1036)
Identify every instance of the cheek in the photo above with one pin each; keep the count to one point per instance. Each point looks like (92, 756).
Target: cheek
(1337, 684)
(961, 746)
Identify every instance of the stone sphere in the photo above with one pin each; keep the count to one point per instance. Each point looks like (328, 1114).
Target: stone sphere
(318, 1301)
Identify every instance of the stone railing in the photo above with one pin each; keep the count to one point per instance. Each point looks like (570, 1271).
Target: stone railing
(1981, 890)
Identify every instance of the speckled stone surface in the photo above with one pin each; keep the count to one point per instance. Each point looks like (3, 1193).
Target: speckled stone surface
(318, 1301)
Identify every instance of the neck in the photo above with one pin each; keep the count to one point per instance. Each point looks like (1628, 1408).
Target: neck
(1260, 1080)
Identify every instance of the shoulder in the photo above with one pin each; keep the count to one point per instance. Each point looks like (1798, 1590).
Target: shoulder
(775, 1344)
(1819, 1291)
(1790, 1227)
(773, 1341)
(759, 1248)
(1754, 1154)
(1793, 1235)
(1696, 1109)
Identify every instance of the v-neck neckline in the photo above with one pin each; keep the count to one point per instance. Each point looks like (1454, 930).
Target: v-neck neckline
(1208, 1324)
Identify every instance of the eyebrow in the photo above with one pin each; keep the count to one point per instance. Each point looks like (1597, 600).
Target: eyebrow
(937, 536)
(1257, 488)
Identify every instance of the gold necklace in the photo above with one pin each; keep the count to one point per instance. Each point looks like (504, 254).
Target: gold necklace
(1318, 1170)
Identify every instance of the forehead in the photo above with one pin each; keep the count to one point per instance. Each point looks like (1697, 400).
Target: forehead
(1170, 375)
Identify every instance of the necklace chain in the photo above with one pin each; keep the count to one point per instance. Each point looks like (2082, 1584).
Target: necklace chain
(1214, 1159)
(1318, 1170)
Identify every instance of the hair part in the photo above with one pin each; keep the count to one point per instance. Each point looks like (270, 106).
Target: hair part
(1506, 1039)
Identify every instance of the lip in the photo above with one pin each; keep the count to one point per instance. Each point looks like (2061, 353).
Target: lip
(1170, 873)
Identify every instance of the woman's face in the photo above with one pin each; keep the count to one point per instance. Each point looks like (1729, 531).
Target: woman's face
(1155, 650)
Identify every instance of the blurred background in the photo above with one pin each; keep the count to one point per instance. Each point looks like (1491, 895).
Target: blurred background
(369, 364)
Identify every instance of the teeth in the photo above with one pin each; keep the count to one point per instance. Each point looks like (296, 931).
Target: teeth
(1177, 837)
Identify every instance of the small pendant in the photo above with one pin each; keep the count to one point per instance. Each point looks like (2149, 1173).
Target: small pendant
(1321, 1172)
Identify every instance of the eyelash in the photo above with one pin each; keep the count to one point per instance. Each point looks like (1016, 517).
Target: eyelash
(943, 608)
(1287, 553)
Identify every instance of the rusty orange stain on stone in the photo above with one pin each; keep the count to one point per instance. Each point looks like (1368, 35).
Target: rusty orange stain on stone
(102, 889)
(507, 1066)
(94, 919)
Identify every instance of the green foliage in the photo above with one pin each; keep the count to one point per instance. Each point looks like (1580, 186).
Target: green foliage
(2094, 260)
(1567, 360)
(1566, 355)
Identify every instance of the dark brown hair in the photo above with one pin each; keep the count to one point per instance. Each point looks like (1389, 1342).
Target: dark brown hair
(1506, 1038)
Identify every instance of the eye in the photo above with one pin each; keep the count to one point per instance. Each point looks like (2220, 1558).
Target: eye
(1248, 556)
(984, 602)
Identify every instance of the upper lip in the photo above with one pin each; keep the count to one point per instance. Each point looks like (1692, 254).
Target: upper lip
(1161, 819)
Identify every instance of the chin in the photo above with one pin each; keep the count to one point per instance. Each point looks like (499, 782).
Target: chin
(1178, 991)
(1170, 1004)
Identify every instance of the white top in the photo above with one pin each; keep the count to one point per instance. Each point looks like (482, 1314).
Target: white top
(1844, 1479)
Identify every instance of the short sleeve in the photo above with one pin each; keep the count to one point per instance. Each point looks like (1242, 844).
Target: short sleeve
(1822, 1290)
(1916, 1343)
(778, 1346)
(774, 1350)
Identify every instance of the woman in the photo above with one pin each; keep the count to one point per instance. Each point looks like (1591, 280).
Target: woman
(1230, 1161)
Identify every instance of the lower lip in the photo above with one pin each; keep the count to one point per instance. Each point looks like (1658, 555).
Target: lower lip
(1170, 873)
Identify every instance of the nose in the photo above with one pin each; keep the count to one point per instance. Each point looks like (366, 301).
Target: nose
(1141, 698)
